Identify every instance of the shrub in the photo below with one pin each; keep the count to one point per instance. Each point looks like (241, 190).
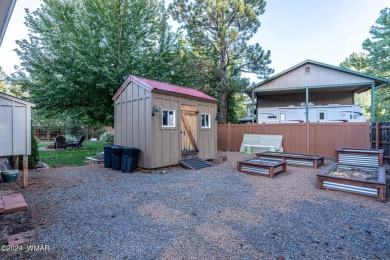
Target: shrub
(107, 137)
(69, 138)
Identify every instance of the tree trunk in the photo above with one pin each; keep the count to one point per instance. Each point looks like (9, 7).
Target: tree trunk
(223, 108)
(223, 101)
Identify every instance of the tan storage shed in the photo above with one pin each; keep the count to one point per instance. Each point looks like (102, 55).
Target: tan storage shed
(15, 128)
(168, 123)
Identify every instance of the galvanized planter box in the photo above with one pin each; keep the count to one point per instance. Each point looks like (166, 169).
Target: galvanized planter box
(295, 159)
(370, 188)
(262, 166)
(359, 157)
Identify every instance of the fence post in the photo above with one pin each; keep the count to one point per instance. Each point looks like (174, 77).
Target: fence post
(228, 135)
(307, 137)
(377, 135)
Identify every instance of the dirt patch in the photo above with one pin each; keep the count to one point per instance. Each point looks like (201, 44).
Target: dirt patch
(355, 173)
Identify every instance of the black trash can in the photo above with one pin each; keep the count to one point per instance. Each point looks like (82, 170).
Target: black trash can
(130, 159)
(107, 156)
(116, 157)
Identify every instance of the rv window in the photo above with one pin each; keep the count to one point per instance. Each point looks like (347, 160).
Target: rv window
(206, 121)
(322, 116)
(271, 116)
(282, 117)
(168, 118)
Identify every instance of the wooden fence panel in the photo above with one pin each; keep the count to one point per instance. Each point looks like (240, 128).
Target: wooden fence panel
(223, 137)
(312, 138)
(381, 137)
(236, 134)
(294, 136)
(325, 137)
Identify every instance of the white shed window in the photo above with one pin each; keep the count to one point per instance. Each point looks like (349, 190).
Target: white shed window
(206, 121)
(307, 70)
(168, 118)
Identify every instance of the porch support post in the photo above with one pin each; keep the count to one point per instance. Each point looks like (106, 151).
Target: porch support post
(253, 105)
(372, 103)
(307, 104)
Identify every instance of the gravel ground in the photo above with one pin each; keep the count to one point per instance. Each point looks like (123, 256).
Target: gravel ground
(216, 213)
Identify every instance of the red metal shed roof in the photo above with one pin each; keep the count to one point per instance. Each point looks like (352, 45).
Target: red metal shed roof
(153, 84)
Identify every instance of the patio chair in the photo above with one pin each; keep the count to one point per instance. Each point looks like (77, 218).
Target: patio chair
(77, 143)
(60, 142)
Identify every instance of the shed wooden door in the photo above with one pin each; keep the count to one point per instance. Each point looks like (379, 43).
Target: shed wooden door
(189, 127)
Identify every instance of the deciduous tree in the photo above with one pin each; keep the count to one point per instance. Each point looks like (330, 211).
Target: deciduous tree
(79, 53)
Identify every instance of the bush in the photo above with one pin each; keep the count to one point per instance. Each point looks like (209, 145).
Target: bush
(107, 137)
(69, 138)
(33, 159)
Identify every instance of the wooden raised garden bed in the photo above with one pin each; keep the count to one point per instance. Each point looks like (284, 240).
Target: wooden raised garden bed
(295, 159)
(366, 181)
(359, 157)
(262, 166)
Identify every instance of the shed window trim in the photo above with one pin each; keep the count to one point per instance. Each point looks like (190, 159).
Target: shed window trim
(168, 117)
(205, 121)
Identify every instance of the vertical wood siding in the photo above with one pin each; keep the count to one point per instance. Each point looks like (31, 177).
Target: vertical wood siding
(318, 76)
(311, 138)
(160, 146)
(132, 121)
(167, 143)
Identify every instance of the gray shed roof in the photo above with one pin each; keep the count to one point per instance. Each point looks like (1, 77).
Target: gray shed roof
(12, 98)
(349, 77)
(6, 8)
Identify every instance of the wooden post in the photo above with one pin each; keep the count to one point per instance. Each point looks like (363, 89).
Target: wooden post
(377, 134)
(16, 162)
(228, 136)
(25, 171)
(307, 104)
(307, 137)
(253, 106)
(372, 103)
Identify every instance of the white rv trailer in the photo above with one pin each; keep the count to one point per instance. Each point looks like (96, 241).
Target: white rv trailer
(317, 113)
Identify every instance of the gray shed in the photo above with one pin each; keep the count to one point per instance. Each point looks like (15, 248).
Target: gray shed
(168, 123)
(15, 129)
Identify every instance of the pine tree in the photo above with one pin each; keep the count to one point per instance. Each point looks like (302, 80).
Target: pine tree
(218, 33)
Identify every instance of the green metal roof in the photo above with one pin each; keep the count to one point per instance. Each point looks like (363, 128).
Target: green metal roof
(377, 80)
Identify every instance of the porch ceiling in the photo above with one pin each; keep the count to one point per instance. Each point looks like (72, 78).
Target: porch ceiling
(354, 89)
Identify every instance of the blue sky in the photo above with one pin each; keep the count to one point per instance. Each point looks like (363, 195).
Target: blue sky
(324, 31)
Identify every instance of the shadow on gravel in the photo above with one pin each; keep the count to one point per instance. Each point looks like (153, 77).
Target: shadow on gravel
(323, 229)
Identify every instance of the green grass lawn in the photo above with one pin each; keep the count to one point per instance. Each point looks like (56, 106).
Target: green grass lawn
(69, 157)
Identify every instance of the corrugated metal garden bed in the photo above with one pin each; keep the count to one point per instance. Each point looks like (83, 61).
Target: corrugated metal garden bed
(296, 159)
(366, 181)
(359, 157)
(262, 166)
